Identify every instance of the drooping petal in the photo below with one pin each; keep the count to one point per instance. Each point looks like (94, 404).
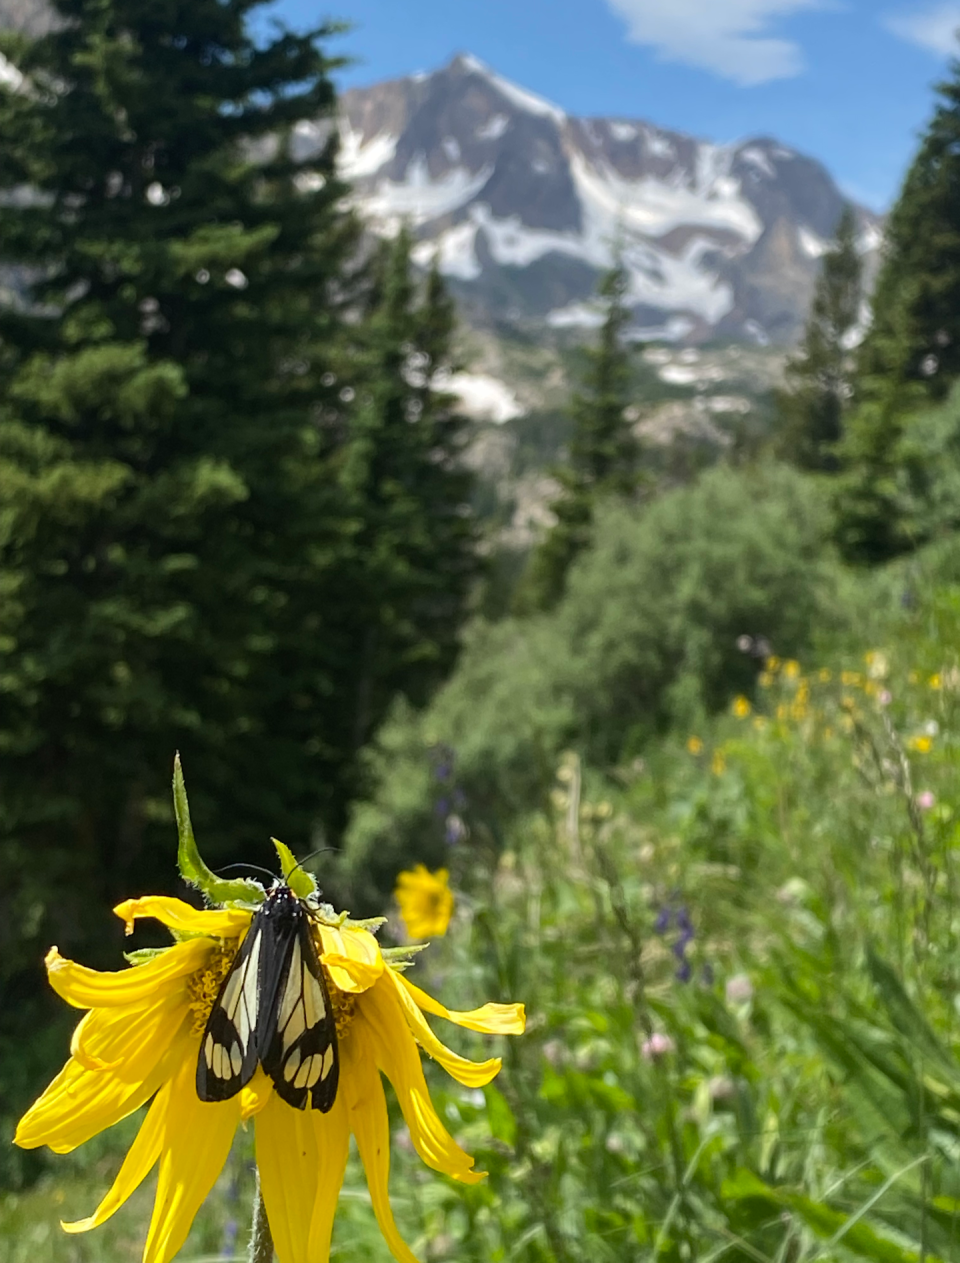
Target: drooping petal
(358, 947)
(472, 1074)
(141, 1158)
(89, 989)
(350, 974)
(367, 1109)
(287, 1161)
(129, 1039)
(179, 916)
(196, 1141)
(491, 1019)
(333, 1145)
(79, 1103)
(398, 1057)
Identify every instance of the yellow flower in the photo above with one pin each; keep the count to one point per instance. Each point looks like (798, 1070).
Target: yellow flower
(760, 723)
(772, 665)
(791, 669)
(922, 745)
(935, 681)
(426, 901)
(851, 679)
(764, 679)
(140, 1039)
(694, 745)
(741, 707)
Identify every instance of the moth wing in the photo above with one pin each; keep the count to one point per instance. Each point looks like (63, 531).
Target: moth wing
(228, 1050)
(299, 1045)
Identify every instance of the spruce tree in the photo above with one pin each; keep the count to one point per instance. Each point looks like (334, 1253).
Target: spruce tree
(171, 530)
(603, 456)
(912, 351)
(819, 377)
(413, 558)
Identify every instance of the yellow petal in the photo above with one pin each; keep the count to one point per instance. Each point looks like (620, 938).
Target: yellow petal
(357, 946)
(367, 1111)
(360, 975)
(472, 1074)
(89, 989)
(398, 1057)
(255, 1095)
(287, 1161)
(141, 1158)
(196, 1141)
(80, 1103)
(179, 916)
(333, 1144)
(120, 1038)
(491, 1019)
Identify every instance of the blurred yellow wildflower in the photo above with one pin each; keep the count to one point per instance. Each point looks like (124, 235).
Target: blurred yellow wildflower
(877, 665)
(935, 681)
(760, 722)
(741, 707)
(791, 669)
(851, 679)
(921, 744)
(140, 1038)
(694, 745)
(772, 664)
(718, 764)
(425, 900)
(764, 679)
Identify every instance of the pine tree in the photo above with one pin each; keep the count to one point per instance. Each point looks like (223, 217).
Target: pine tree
(603, 456)
(819, 377)
(171, 534)
(912, 351)
(413, 558)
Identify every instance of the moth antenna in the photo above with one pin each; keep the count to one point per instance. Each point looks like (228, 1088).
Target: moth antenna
(318, 851)
(252, 867)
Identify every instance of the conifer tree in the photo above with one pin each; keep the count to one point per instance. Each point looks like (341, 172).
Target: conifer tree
(603, 456)
(171, 535)
(413, 555)
(819, 377)
(912, 351)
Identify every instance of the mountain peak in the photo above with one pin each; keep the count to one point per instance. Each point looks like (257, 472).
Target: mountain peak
(521, 203)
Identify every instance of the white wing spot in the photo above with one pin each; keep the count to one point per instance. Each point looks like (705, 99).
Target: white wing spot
(208, 1048)
(304, 1073)
(327, 1062)
(236, 1060)
(291, 1064)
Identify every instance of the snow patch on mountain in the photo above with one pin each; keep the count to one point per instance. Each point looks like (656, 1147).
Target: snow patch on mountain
(455, 252)
(360, 157)
(420, 197)
(482, 397)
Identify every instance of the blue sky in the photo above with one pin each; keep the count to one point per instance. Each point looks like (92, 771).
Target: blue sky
(847, 81)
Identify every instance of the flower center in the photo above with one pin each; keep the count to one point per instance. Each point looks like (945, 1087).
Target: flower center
(204, 986)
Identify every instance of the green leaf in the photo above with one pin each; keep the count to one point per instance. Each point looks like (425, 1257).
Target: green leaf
(298, 879)
(192, 868)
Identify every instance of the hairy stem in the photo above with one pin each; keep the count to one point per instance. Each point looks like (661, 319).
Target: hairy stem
(261, 1240)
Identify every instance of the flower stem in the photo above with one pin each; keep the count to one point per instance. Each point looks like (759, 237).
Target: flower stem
(261, 1239)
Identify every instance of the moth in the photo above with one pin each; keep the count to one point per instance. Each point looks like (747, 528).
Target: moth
(273, 1008)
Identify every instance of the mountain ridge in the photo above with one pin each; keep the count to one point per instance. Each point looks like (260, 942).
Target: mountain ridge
(521, 203)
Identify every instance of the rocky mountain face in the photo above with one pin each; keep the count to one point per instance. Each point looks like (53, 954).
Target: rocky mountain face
(522, 204)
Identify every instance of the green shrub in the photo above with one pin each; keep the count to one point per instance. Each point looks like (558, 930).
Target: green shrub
(645, 638)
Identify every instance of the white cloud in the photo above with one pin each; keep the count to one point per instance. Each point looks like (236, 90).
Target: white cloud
(730, 37)
(934, 27)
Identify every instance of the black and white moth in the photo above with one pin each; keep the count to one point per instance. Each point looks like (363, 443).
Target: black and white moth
(273, 1007)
